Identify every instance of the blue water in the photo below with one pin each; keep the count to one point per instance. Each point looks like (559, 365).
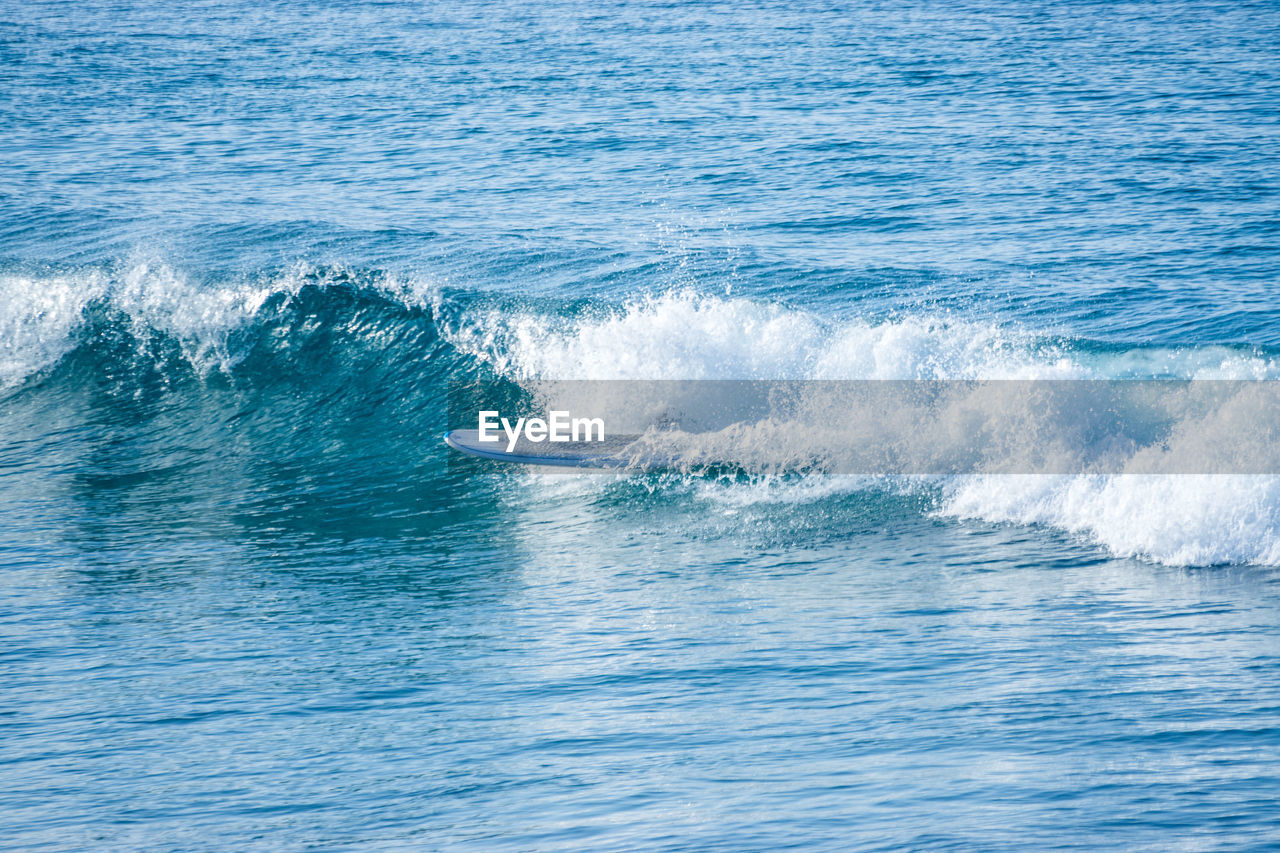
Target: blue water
(248, 602)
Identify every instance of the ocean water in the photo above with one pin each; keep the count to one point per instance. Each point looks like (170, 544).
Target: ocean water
(247, 600)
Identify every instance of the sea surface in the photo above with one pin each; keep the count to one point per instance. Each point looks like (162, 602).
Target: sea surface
(249, 602)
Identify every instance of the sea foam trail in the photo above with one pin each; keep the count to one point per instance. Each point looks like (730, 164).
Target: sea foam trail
(1172, 519)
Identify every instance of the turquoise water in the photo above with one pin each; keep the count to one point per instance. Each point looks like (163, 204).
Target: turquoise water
(248, 602)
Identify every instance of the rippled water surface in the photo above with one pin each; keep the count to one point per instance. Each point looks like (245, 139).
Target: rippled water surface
(247, 600)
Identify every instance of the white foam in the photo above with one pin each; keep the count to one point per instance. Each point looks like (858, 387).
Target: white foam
(41, 315)
(200, 318)
(1174, 519)
(683, 335)
(38, 319)
(686, 335)
(1177, 520)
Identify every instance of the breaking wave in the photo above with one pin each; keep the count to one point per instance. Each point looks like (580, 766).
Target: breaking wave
(337, 345)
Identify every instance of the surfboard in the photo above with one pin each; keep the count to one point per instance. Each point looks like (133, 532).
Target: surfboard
(611, 452)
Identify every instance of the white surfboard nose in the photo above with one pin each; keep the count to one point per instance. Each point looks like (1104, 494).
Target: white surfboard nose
(613, 452)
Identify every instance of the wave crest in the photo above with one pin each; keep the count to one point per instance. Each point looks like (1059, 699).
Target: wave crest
(43, 317)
